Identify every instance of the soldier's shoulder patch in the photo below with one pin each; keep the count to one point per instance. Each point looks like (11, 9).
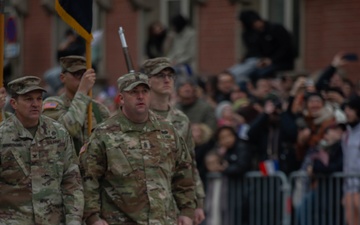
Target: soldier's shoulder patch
(50, 105)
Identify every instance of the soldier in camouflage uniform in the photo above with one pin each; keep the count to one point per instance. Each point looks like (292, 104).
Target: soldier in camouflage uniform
(40, 181)
(135, 166)
(161, 80)
(70, 109)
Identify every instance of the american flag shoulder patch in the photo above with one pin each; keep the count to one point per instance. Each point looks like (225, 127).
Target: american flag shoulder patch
(50, 105)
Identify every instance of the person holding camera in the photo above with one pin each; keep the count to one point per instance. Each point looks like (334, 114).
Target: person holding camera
(273, 134)
(333, 75)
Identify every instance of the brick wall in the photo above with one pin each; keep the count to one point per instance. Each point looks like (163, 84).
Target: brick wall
(331, 26)
(216, 36)
(122, 14)
(37, 41)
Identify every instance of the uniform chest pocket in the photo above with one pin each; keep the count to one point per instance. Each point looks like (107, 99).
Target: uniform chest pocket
(56, 161)
(13, 168)
(117, 162)
(49, 158)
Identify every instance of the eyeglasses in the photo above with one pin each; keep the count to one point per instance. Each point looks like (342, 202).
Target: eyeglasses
(77, 74)
(171, 76)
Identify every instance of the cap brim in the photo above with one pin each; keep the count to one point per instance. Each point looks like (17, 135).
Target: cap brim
(27, 90)
(133, 85)
(158, 69)
(76, 68)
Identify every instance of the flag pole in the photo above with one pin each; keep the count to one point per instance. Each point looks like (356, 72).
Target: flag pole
(78, 15)
(2, 19)
(88, 66)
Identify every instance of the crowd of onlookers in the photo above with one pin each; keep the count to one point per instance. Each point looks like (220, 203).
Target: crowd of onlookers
(299, 121)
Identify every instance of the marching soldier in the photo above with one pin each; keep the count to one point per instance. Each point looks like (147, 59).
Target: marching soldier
(135, 166)
(70, 109)
(161, 80)
(40, 181)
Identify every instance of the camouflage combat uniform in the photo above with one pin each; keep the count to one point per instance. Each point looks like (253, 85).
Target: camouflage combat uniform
(180, 122)
(182, 126)
(6, 114)
(40, 181)
(133, 173)
(71, 114)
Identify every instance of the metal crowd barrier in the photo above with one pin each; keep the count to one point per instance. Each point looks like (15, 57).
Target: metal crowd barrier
(278, 199)
(250, 200)
(318, 200)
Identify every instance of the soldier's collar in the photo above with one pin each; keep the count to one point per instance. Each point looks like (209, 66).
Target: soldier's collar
(128, 126)
(43, 131)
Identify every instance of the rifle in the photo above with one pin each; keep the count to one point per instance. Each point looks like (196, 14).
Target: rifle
(126, 51)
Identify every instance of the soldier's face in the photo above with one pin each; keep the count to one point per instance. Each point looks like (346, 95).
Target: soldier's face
(135, 103)
(28, 106)
(71, 81)
(163, 82)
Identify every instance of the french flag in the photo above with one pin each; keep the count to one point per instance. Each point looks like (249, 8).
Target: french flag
(269, 167)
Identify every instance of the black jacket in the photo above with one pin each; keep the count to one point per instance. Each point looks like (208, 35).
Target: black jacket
(324, 78)
(286, 137)
(275, 42)
(335, 160)
(238, 158)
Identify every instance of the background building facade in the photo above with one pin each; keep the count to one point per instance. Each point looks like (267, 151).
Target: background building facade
(321, 28)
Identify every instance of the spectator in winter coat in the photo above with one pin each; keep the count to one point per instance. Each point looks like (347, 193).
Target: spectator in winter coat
(273, 134)
(268, 45)
(351, 146)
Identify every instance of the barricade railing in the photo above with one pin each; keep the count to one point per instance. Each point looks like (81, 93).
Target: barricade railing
(318, 199)
(297, 199)
(252, 199)
(268, 202)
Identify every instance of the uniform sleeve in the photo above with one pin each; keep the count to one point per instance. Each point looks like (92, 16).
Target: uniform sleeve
(199, 188)
(71, 186)
(72, 118)
(183, 186)
(104, 111)
(93, 167)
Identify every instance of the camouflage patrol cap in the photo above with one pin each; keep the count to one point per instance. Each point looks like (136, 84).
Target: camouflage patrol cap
(128, 81)
(73, 63)
(154, 66)
(24, 85)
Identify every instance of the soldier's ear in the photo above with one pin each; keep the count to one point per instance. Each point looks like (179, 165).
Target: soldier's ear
(13, 103)
(62, 77)
(121, 98)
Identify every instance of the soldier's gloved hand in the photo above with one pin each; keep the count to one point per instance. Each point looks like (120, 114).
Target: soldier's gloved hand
(87, 81)
(2, 97)
(184, 220)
